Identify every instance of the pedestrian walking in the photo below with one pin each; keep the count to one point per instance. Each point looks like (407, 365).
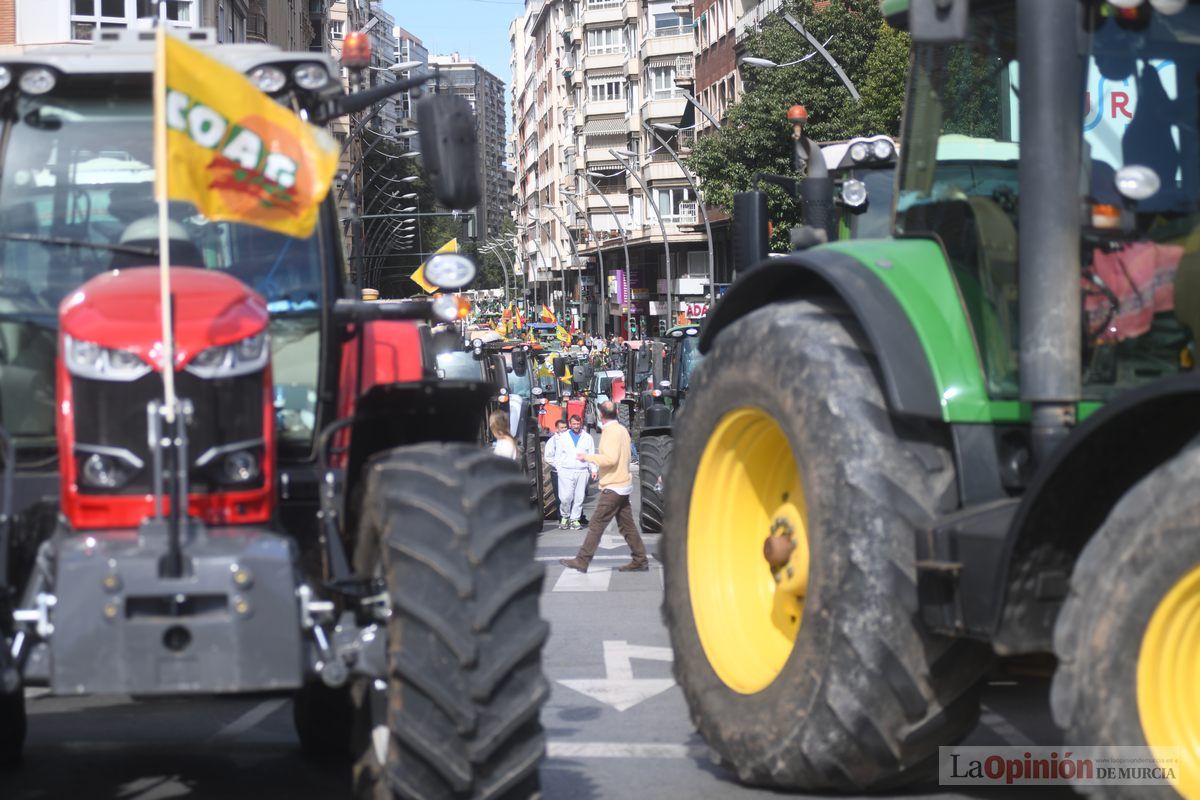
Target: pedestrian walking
(616, 486)
(550, 459)
(505, 445)
(573, 474)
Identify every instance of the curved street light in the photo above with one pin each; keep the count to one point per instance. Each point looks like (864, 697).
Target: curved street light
(568, 196)
(712, 266)
(617, 154)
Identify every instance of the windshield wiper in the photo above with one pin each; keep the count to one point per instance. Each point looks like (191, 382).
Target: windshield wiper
(63, 241)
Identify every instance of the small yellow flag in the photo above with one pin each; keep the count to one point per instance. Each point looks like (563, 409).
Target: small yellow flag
(561, 334)
(232, 151)
(419, 276)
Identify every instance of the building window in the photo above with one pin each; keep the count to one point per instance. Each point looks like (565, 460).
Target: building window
(603, 3)
(87, 15)
(335, 29)
(672, 24)
(662, 82)
(605, 40)
(669, 202)
(611, 88)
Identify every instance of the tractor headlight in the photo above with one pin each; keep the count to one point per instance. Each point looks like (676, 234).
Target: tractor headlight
(38, 80)
(854, 193)
(90, 360)
(5, 77)
(882, 149)
(106, 467)
(230, 360)
(268, 79)
(310, 77)
(859, 151)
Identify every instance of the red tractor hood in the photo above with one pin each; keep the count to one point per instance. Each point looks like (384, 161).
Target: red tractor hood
(120, 310)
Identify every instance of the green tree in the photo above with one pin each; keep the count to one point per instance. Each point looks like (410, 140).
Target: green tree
(757, 137)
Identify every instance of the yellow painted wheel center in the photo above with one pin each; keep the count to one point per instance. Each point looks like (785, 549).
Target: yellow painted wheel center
(747, 502)
(1168, 680)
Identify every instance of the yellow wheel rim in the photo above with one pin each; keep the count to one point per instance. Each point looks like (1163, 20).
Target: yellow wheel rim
(747, 491)
(1168, 680)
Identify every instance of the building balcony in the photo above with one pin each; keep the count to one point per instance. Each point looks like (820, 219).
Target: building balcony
(685, 71)
(669, 109)
(606, 108)
(675, 41)
(603, 13)
(657, 171)
(605, 60)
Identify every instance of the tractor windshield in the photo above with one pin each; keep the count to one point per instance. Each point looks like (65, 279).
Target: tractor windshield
(689, 359)
(1140, 292)
(76, 200)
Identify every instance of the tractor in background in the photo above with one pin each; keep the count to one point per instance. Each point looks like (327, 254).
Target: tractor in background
(903, 457)
(316, 515)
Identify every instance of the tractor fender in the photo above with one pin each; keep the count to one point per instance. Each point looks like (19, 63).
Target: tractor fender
(1072, 494)
(904, 368)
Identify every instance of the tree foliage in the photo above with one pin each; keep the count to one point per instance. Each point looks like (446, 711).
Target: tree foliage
(757, 137)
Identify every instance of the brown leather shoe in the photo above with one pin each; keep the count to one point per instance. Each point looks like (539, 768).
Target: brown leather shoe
(574, 563)
(635, 566)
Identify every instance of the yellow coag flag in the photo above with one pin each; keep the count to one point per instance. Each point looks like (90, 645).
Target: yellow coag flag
(232, 151)
(561, 334)
(419, 276)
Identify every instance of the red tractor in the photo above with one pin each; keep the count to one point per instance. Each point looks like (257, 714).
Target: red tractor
(318, 516)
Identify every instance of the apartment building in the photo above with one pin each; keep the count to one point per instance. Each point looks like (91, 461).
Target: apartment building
(599, 75)
(485, 92)
(409, 49)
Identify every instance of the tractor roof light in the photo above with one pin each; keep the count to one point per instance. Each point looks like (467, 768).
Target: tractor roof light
(268, 79)
(859, 151)
(310, 77)
(38, 80)
(882, 149)
(356, 50)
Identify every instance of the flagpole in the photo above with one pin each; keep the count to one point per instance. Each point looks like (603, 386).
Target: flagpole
(164, 240)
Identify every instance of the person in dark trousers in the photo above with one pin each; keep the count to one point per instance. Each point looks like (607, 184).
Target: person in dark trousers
(616, 487)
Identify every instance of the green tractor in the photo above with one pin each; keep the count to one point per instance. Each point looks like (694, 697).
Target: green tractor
(659, 406)
(903, 457)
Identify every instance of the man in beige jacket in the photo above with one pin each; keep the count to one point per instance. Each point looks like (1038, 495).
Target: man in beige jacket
(616, 486)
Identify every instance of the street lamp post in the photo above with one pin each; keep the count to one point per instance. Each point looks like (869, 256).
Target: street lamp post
(691, 98)
(630, 166)
(574, 256)
(561, 260)
(599, 257)
(712, 268)
(624, 238)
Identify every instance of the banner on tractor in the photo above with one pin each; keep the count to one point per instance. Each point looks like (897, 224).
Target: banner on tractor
(231, 150)
(419, 275)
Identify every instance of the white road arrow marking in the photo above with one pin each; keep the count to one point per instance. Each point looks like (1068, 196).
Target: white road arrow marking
(611, 542)
(596, 579)
(619, 688)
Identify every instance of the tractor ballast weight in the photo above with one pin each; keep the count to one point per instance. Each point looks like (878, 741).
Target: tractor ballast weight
(1024, 489)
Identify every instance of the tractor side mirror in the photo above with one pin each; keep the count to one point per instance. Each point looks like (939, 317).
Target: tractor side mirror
(751, 239)
(448, 149)
(938, 21)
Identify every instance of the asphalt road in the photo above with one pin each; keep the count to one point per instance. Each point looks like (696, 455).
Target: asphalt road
(616, 723)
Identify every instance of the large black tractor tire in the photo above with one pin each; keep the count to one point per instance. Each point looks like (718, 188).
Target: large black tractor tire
(549, 495)
(452, 532)
(532, 453)
(625, 415)
(1132, 609)
(654, 456)
(864, 694)
(12, 725)
(322, 717)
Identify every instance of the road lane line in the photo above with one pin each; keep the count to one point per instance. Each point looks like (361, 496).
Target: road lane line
(571, 749)
(248, 720)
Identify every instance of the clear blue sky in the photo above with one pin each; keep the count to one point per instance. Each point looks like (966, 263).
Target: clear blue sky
(477, 29)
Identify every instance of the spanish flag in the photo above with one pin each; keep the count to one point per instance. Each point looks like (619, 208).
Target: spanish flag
(419, 276)
(232, 151)
(519, 319)
(548, 315)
